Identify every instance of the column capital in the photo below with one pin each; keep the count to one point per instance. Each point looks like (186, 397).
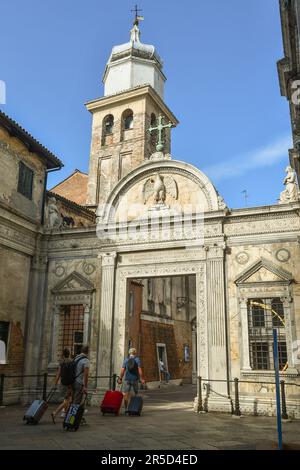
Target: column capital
(108, 259)
(39, 261)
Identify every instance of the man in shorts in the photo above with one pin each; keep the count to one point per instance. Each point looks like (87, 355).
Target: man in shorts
(133, 373)
(81, 375)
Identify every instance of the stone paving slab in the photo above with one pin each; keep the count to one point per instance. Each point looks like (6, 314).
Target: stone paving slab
(168, 422)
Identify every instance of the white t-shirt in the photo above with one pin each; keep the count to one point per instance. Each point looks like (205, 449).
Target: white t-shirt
(82, 364)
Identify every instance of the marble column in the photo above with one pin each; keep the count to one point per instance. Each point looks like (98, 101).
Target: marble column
(245, 335)
(86, 322)
(106, 318)
(216, 330)
(35, 318)
(194, 355)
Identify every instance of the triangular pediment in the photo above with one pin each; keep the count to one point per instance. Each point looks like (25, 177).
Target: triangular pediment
(75, 282)
(264, 271)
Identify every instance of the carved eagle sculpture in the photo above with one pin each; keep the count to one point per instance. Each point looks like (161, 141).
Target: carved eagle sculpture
(158, 187)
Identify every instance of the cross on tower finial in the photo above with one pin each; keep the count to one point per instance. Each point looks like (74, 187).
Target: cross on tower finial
(160, 127)
(137, 16)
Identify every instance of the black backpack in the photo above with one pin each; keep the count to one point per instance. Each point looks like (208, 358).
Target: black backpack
(68, 372)
(132, 366)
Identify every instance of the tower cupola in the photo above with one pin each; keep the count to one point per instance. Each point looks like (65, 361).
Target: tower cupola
(133, 64)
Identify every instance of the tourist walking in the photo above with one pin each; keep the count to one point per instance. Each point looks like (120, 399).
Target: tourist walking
(63, 374)
(132, 371)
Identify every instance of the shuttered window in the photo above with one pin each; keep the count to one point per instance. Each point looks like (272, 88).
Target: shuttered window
(25, 180)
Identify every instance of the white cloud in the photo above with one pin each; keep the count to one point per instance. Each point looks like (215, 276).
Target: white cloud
(263, 157)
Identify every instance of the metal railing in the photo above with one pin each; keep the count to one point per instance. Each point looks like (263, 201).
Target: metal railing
(42, 384)
(235, 403)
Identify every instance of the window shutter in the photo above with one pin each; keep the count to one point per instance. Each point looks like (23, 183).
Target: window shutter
(25, 180)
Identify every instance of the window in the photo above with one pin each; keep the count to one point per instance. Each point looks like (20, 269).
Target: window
(108, 124)
(277, 306)
(4, 331)
(25, 182)
(128, 119)
(162, 309)
(78, 342)
(151, 306)
(263, 316)
(258, 314)
(153, 135)
(131, 303)
(71, 329)
(153, 120)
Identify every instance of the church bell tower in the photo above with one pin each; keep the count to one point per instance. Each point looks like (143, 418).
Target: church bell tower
(133, 102)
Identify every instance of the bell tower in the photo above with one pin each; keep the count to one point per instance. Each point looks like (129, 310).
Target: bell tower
(132, 103)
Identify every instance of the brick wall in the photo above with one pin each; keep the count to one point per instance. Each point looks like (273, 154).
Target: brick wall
(134, 319)
(174, 337)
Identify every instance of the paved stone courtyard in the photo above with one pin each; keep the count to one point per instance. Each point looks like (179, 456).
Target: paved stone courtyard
(168, 423)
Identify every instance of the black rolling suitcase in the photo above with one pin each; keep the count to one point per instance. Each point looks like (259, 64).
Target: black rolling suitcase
(37, 409)
(74, 416)
(135, 406)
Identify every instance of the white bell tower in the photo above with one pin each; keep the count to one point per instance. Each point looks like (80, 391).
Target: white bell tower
(133, 64)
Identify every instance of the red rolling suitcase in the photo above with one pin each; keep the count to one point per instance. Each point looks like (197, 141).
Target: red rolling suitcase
(111, 402)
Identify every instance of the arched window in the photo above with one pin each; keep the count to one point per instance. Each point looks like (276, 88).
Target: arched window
(128, 119)
(153, 137)
(108, 124)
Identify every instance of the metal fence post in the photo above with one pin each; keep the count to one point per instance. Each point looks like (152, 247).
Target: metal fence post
(2, 376)
(114, 382)
(200, 402)
(237, 410)
(45, 386)
(205, 406)
(284, 414)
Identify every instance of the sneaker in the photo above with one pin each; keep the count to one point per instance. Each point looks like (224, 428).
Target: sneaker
(62, 414)
(83, 422)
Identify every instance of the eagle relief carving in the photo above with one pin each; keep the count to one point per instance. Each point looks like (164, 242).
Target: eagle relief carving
(157, 187)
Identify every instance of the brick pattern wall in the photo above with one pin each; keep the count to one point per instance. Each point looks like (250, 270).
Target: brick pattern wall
(183, 336)
(73, 188)
(174, 337)
(134, 319)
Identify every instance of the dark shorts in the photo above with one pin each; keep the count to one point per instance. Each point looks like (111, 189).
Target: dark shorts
(77, 393)
(129, 386)
(65, 391)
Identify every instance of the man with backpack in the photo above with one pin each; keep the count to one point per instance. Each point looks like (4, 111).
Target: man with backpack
(133, 373)
(81, 375)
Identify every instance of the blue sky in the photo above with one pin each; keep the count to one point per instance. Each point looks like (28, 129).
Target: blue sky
(220, 60)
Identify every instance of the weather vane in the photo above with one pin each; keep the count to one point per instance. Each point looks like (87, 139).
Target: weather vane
(246, 197)
(137, 16)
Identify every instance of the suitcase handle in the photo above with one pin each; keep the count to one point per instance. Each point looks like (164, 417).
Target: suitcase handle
(50, 394)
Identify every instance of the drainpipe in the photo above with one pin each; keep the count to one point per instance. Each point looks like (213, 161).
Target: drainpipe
(226, 325)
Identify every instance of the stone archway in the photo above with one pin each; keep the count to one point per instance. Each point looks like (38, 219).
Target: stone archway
(181, 252)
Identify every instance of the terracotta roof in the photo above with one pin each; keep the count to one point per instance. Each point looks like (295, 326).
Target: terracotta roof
(15, 130)
(68, 177)
(73, 188)
(73, 204)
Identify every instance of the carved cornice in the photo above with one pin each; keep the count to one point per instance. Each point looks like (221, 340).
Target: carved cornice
(284, 276)
(74, 283)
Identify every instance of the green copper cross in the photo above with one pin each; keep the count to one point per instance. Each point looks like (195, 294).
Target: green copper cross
(160, 127)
